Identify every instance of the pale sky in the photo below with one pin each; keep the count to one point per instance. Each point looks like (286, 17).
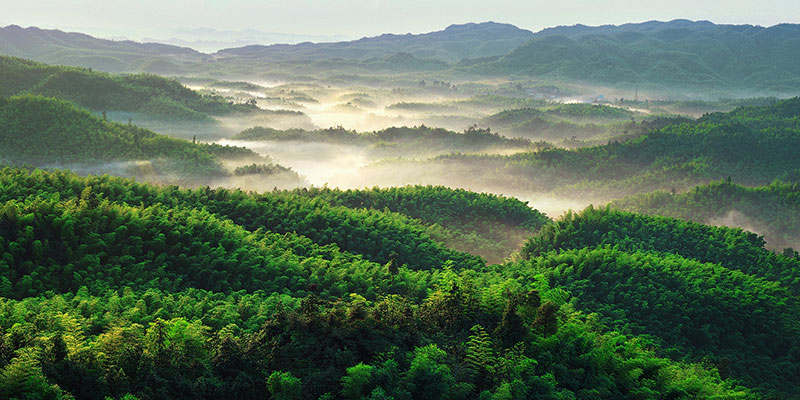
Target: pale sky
(136, 19)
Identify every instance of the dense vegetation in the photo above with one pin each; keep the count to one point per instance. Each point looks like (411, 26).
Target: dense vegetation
(703, 292)
(752, 145)
(149, 94)
(42, 131)
(116, 289)
(576, 122)
(112, 287)
(379, 236)
(772, 210)
(261, 169)
(488, 225)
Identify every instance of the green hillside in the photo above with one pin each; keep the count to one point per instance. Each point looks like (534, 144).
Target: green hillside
(688, 286)
(577, 122)
(138, 266)
(42, 131)
(149, 94)
(752, 145)
(483, 224)
(771, 211)
(395, 141)
(379, 236)
(114, 288)
(77, 49)
(696, 58)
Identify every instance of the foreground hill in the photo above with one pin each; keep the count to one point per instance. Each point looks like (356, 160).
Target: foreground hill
(383, 237)
(703, 292)
(483, 224)
(112, 287)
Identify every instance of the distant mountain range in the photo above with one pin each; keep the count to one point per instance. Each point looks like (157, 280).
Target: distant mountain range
(689, 57)
(680, 54)
(453, 44)
(209, 40)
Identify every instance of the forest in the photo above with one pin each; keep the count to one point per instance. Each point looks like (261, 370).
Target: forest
(478, 212)
(161, 292)
(146, 93)
(770, 210)
(36, 130)
(753, 145)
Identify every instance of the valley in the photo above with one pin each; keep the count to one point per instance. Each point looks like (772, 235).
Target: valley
(478, 212)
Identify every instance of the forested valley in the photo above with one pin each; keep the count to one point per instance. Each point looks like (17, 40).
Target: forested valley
(481, 212)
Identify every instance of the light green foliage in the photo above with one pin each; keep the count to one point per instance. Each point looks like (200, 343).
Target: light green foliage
(284, 386)
(123, 288)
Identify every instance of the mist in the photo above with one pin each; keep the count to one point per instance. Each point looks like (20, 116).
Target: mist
(319, 163)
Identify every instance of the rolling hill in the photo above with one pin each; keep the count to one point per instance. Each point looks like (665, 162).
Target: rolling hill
(115, 288)
(753, 145)
(151, 95)
(681, 283)
(771, 210)
(47, 132)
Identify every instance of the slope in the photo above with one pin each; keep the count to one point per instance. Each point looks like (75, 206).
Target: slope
(702, 292)
(664, 57)
(770, 210)
(752, 145)
(77, 49)
(113, 300)
(42, 131)
(149, 94)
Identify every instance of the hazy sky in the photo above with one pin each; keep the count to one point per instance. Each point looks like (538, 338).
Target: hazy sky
(159, 18)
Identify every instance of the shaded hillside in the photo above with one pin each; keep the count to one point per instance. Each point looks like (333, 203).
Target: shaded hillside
(149, 94)
(753, 145)
(452, 44)
(483, 224)
(663, 57)
(47, 132)
(78, 49)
